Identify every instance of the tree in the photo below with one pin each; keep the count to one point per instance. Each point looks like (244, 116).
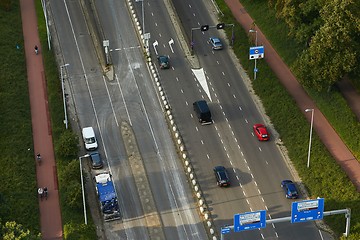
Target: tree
(302, 17)
(332, 51)
(5, 4)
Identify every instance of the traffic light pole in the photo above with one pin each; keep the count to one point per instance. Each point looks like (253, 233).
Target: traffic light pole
(204, 28)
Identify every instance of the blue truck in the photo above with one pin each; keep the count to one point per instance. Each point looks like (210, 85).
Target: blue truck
(107, 196)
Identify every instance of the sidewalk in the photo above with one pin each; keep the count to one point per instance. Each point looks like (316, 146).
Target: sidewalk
(50, 216)
(324, 130)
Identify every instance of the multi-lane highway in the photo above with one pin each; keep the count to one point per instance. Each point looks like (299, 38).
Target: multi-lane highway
(130, 96)
(255, 168)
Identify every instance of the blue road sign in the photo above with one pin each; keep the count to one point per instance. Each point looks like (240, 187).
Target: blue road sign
(308, 210)
(249, 220)
(256, 52)
(256, 70)
(225, 230)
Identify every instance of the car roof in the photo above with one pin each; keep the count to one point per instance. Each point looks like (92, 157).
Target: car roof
(162, 57)
(219, 168)
(95, 156)
(291, 187)
(284, 182)
(215, 39)
(261, 128)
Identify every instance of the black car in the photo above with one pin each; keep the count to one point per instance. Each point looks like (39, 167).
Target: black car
(289, 189)
(221, 176)
(163, 62)
(96, 161)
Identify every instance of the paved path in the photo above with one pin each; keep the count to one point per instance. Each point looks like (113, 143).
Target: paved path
(322, 127)
(50, 216)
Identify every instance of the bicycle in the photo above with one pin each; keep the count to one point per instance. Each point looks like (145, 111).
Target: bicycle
(45, 193)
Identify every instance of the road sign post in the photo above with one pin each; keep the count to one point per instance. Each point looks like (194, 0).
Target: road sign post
(224, 230)
(256, 53)
(249, 220)
(308, 210)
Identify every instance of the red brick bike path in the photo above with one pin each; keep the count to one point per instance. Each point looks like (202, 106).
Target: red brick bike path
(324, 130)
(50, 215)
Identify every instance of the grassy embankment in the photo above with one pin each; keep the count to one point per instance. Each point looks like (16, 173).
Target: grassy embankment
(18, 188)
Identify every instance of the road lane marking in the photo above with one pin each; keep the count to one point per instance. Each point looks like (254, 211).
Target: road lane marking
(111, 104)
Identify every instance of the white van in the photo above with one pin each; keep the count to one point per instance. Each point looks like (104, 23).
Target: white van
(89, 138)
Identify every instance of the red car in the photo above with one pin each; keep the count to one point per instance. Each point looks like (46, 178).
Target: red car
(261, 132)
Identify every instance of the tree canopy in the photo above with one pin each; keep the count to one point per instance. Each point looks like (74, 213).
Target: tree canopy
(331, 30)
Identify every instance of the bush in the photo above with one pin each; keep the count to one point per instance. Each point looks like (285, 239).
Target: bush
(13, 231)
(73, 231)
(67, 146)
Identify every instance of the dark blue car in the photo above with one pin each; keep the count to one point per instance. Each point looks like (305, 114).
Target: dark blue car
(163, 62)
(222, 178)
(289, 189)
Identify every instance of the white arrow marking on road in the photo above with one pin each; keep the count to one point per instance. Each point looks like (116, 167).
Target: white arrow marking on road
(200, 76)
(171, 42)
(154, 45)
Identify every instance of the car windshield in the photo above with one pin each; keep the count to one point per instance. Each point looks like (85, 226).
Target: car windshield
(163, 59)
(223, 176)
(90, 140)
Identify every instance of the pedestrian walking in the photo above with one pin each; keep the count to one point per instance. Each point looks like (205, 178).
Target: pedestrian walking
(36, 49)
(41, 193)
(38, 158)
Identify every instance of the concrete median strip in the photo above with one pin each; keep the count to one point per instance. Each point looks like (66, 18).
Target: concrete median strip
(151, 216)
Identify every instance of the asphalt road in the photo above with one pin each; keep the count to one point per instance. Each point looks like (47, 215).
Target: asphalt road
(255, 168)
(130, 97)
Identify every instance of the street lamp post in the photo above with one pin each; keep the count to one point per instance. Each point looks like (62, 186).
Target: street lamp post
(254, 31)
(82, 186)
(63, 93)
(311, 128)
(192, 41)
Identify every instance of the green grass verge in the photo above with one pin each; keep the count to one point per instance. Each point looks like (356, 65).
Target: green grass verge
(324, 178)
(18, 191)
(18, 188)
